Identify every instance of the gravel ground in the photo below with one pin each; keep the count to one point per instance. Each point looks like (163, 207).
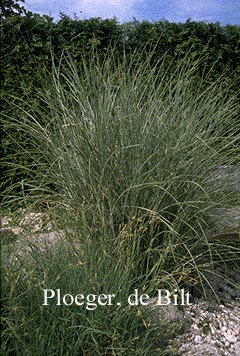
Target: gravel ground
(214, 326)
(214, 331)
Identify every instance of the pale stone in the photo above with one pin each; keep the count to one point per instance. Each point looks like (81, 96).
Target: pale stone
(231, 338)
(198, 339)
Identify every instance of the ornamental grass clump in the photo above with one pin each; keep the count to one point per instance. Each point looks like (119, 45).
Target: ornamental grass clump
(125, 154)
(121, 144)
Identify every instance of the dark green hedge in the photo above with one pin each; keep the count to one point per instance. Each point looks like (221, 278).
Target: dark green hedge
(27, 42)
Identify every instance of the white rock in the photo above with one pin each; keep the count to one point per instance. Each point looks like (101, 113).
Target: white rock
(231, 338)
(236, 347)
(198, 339)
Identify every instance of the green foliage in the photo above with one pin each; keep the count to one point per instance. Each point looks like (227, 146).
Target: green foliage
(123, 152)
(11, 8)
(28, 42)
(124, 140)
(76, 36)
(222, 44)
(33, 329)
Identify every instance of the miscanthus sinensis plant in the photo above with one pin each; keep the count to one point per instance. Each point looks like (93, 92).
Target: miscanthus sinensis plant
(125, 156)
(131, 147)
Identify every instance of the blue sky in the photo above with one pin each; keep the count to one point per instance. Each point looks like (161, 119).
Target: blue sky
(224, 11)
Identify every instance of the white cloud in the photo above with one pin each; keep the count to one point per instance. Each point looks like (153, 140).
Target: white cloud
(125, 10)
(196, 5)
(119, 8)
(206, 9)
(122, 9)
